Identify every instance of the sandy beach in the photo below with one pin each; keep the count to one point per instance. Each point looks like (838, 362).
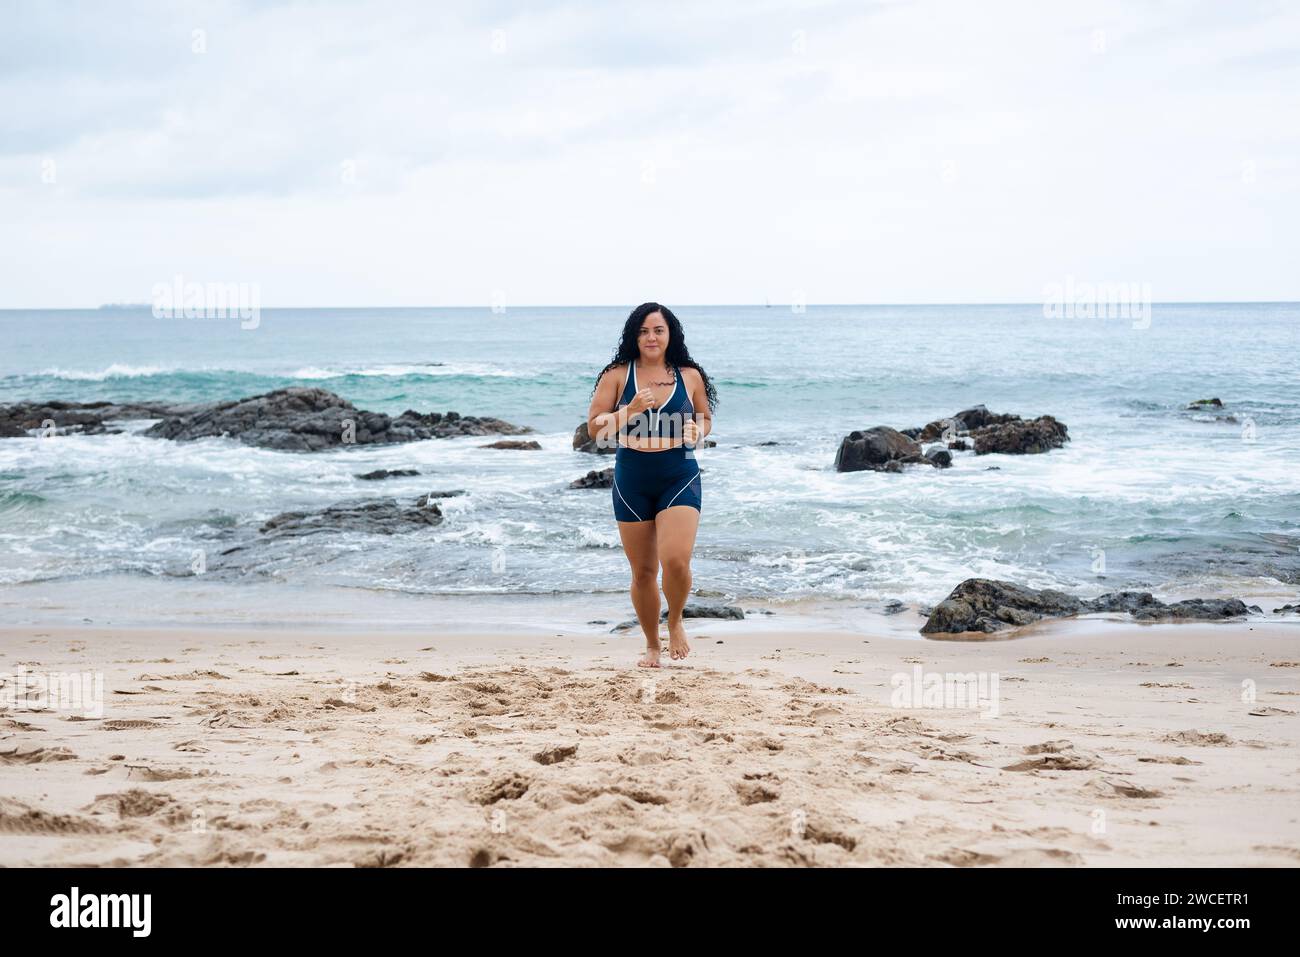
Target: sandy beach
(1106, 743)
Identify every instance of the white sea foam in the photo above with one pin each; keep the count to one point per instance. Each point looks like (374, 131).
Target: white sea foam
(399, 370)
(120, 370)
(117, 370)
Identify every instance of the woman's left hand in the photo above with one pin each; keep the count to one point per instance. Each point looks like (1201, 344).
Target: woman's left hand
(690, 433)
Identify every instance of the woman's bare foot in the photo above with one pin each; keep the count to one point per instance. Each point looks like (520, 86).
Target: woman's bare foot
(677, 646)
(651, 659)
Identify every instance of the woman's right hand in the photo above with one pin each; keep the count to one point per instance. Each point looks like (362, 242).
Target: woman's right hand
(644, 399)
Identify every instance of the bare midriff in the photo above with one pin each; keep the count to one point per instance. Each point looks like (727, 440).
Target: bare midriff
(649, 443)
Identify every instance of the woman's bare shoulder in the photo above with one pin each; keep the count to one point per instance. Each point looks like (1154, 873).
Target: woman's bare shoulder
(613, 374)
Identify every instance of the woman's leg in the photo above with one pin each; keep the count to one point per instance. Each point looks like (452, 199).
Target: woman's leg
(640, 547)
(676, 534)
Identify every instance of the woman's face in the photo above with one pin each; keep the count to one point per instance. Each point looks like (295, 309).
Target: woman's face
(653, 338)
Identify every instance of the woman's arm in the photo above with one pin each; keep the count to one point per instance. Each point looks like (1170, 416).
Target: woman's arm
(700, 399)
(602, 417)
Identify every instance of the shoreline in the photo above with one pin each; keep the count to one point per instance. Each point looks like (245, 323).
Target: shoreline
(150, 603)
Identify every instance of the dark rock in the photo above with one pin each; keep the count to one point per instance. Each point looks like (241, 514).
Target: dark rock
(940, 458)
(79, 418)
(521, 444)
(1287, 610)
(976, 417)
(1020, 437)
(583, 442)
(594, 479)
(693, 610)
(1206, 609)
(309, 419)
(1144, 606)
(884, 449)
(894, 607)
(995, 432)
(387, 473)
(384, 516)
(987, 605)
(1132, 602)
(701, 609)
(877, 449)
(1209, 411)
(979, 417)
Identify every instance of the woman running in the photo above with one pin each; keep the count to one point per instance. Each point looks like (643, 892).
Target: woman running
(656, 404)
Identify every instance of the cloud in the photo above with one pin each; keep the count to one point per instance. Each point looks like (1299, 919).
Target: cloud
(426, 153)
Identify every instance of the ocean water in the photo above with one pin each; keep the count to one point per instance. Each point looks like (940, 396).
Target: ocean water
(1145, 495)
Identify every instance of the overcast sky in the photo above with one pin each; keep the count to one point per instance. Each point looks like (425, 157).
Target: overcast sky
(610, 153)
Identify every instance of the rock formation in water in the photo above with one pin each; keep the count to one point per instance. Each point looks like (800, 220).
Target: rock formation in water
(988, 605)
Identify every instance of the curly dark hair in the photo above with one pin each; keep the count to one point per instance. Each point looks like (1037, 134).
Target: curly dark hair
(677, 354)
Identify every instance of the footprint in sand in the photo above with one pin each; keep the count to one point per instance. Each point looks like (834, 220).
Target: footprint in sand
(36, 756)
(1192, 736)
(19, 818)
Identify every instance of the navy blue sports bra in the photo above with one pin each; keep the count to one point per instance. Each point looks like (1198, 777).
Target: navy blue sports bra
(666, 421)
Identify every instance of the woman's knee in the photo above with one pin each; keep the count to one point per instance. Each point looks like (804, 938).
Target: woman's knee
(643, 574)
(677, 566)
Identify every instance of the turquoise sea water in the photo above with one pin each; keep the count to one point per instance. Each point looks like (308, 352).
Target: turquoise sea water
(1145, 495)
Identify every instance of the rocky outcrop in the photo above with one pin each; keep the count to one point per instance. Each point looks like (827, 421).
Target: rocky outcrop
(1020, 437)
(880, 449)
(520, 444)
(959, 423)
(583, 442)
(379, 474)
(693, 609)
(1143, 606)
(988, 605)
(1209, 410)
(80, 418)
(995, 432)
(309, 419)
(383, 517)
(940, 458)
(292, 420)
(594, 479)
(709, 609)
(883, 449)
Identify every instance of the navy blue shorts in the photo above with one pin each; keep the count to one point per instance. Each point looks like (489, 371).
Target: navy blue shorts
(646, 483)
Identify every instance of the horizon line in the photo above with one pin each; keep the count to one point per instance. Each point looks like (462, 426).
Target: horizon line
(111, 306)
